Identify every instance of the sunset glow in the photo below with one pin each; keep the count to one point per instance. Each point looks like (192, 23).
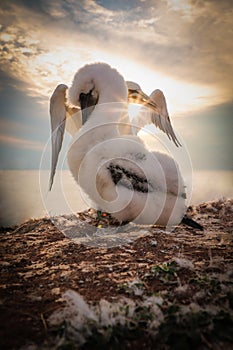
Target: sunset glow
(44, 71)
(175, 46)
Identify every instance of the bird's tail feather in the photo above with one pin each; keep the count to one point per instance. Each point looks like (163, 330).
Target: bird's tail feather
(190, 222)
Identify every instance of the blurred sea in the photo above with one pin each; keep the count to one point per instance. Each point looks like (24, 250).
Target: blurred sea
(24, 193)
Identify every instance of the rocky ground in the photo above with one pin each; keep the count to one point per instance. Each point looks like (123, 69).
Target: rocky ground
(159, 291)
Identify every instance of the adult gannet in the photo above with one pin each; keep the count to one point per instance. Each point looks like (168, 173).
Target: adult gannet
(116, 171)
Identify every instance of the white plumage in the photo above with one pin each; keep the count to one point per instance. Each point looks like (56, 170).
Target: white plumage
(116, 171)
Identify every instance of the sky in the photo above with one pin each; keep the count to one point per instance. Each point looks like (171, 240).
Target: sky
(182, 47)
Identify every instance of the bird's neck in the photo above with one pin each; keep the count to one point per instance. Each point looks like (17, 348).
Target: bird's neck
(101, 126)
(112, 105)
(103, 123)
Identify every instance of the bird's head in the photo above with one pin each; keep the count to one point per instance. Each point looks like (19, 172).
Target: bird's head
(96, 83)
(83, 91)
(136, 95)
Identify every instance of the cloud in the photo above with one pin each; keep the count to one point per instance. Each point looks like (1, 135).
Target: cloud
(187, 40)
(37, 52)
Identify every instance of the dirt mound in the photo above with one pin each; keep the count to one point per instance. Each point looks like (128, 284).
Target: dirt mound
(189, 270)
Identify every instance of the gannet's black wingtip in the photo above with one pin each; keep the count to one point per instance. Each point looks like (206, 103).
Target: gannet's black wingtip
(51, 179)
(190, 222)
(50, 186)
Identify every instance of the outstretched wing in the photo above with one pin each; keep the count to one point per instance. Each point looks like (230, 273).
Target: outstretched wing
(158, 114)
(161, 119)
(57, 118)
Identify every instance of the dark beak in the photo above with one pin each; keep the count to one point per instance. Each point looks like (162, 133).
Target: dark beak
(87, 104)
